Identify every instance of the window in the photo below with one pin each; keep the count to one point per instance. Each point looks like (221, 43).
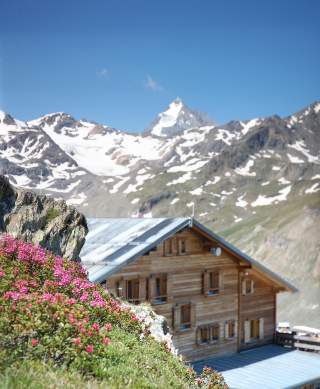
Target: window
(160, 289)
(230, 329)
(168, 247)
(185, 312)
(211, 282)
(215, 332)
(247, 286)
(132, 290)
(205, 335)
(254, 329)
(182, 246)
(208, 334)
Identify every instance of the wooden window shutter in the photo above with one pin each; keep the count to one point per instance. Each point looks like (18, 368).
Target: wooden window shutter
(193, 314)
(247, 330)
(142, 289)
(205, 282)
(226, 330)
(152, 287)
(236, 328)
(261, 328)
(198, 335)
(243, 287)
(169, 287)
(252, 286)
(122, 288)
(176, 317)
(221, 280)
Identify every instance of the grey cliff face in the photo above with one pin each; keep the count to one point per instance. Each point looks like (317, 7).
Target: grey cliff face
(40, 219)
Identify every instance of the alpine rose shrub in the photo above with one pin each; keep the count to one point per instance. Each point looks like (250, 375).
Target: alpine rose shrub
(49, 311)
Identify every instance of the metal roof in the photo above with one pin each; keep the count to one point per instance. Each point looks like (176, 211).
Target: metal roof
(113, 243)
(267, 367)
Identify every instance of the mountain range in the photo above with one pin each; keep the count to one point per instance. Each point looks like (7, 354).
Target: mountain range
(257, 181)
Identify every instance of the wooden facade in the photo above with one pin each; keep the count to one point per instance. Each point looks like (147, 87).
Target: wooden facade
(213, 304)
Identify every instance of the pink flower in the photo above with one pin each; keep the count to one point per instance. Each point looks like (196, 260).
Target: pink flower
(108, 327)
(34, 342)
(89, 348)
(106, 341)
(96, 327)
(77, 341)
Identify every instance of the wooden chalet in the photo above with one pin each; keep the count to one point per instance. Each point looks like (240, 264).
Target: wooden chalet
(216, 299)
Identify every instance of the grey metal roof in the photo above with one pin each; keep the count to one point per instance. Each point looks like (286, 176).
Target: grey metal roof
(113, 243)
(267, 367)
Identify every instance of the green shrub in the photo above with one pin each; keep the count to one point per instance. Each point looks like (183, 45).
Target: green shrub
(51, 214)
(51, 314)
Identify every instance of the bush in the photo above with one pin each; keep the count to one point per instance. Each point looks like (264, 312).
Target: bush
(51, 313)
(50, 215)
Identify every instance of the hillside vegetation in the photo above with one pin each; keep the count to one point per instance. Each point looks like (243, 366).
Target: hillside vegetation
(59, 330)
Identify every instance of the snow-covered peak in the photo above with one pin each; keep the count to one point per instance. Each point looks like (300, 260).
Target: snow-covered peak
(176, 119)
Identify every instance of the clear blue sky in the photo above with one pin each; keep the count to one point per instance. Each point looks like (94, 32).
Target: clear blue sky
(121, 62)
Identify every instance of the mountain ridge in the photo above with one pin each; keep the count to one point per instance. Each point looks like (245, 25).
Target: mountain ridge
(235, 174)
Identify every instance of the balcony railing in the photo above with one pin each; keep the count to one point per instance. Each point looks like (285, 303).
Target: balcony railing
(298, 341)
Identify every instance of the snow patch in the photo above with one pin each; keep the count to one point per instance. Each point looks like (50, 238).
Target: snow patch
(294, 159)
(314, 188)
(245, 170)
(264, 200)
(241, 202)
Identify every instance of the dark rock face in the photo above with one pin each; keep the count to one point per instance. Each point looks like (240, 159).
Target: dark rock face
(40, 219)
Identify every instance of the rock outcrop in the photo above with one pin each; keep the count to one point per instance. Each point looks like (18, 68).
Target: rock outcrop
(40, 219)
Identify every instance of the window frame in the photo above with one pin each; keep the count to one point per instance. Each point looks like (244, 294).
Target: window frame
(183, 326)
(209, 328)
(160, 298)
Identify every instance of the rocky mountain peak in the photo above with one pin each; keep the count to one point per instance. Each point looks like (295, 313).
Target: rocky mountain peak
(177, 118)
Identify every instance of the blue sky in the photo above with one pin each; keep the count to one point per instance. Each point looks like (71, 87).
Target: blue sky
(122, 62)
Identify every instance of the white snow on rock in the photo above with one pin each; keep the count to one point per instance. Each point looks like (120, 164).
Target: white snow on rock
(190, 166)
(237, 219)
(203, 214)
(119, 184)
(216, 179)
(77, 199)
(184, 178)
(316, 108)
(174, 201)
(246, 127)
(213, 204)
(139, 182)
(245, 170)
(264, 200)
(197, 191)
(227, 174)
(21, 180)
(316, 177)
(135, 201)
(225, 136)
(241, 202)
(301, 146)
(167, 118)
(283, 181)
(314, 188)
(294, 159)
(265, 183)
(276, 168)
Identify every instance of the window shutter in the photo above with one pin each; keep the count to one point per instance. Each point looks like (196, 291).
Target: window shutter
(236, 328)
(142, 289)
(176, 317)
(152, 287)
(122, 288)
(226, 330)
(221, 280)
(261, 328)
(193, 314)
(247, 331)
(252, 286)
(169, 287)
(243, 287)
(198, 334)
(205, 282)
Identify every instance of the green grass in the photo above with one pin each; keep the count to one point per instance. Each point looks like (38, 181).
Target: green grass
(51, 214)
